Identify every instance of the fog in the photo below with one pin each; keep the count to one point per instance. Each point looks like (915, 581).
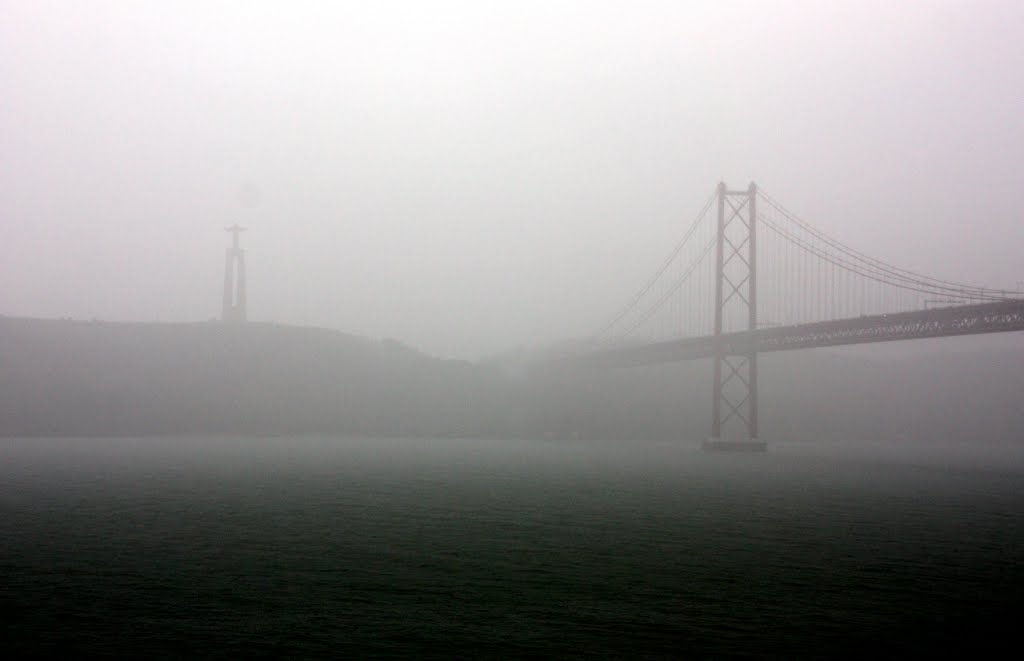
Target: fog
(418, 435)
(468, 177)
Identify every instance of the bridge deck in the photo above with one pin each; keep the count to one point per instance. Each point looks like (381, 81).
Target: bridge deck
(996, 317)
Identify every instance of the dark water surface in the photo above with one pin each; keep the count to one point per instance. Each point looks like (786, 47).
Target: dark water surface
(328, 547)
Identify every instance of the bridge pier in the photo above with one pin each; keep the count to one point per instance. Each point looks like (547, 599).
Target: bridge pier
(735, 375)
(718, 445)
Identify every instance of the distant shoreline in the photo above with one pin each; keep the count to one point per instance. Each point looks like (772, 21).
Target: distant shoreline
(80, 379)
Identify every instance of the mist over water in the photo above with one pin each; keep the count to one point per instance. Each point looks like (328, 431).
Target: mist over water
(422, 547)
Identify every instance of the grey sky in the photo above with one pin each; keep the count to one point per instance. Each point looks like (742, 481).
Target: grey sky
(470, 176)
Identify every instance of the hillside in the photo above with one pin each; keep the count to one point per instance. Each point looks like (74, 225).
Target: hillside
(85, 378)
(74, 378)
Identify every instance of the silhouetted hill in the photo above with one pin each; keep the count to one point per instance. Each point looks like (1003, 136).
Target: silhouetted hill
(73, 378)
(83, 378)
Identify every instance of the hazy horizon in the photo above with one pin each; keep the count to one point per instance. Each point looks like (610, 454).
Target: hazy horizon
(467, 178)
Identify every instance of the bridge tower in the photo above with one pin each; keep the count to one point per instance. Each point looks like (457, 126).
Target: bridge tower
(734, 403)
(234, 285)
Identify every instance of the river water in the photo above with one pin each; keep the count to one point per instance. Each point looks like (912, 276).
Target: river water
(315, 547)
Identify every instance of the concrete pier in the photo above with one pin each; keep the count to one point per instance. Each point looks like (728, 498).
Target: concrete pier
(719, 445)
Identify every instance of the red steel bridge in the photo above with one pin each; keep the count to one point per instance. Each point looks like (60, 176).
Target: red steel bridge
(751, 276)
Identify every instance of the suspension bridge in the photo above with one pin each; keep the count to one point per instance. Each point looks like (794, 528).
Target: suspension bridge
(750, 276)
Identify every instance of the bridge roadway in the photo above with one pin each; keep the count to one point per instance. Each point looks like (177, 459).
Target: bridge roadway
(975, 319)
